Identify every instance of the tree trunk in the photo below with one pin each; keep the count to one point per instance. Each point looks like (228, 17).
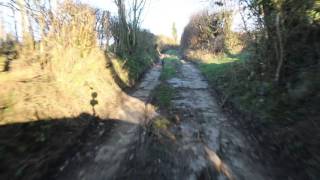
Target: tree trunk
(281, 49)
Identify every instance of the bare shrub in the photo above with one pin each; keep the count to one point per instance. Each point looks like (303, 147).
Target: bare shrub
(205, 31)
(165, 43)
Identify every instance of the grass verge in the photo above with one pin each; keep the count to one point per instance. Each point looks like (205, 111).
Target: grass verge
(170, 66)
(230, 76)
(278, 118)
(163, 93)
(162, 96)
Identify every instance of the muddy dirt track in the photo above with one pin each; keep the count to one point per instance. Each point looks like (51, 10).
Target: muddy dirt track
(203, 143)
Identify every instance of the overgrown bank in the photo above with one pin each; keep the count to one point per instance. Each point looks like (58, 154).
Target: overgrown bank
(53, 89)
(274, 85)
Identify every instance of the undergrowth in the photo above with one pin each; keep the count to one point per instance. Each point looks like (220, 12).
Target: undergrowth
(278, 115)
(60, 77)
(230, 75)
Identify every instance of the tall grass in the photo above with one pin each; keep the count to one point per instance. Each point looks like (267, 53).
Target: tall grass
(56, 77)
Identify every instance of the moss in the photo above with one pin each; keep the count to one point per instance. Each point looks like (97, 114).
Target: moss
(161, 123)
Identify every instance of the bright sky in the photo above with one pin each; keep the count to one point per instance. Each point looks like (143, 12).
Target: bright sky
(160, 14)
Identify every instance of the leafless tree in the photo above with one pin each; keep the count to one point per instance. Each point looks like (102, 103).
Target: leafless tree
(129, 23)
(135, 12)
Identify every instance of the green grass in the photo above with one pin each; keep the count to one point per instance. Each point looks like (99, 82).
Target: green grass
(171, 64)
(130, 68)
(137, 65)
(222, 65)
(234, 77)
(163, 95)
(172, 52)
(230, 75)
(281, 116)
